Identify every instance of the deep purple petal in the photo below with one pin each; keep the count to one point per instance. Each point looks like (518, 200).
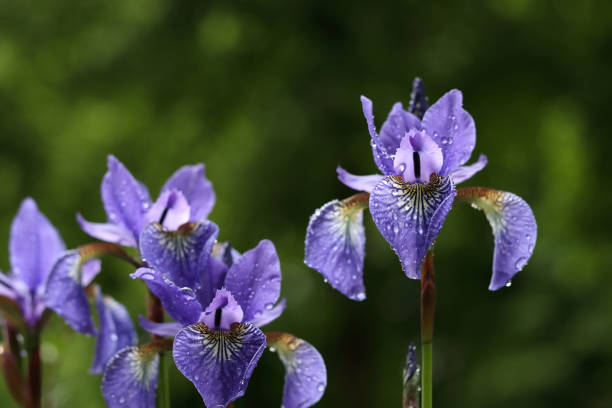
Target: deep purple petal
(514, 228)
(409, 216)
(255, 280)
(393, 130)
(130, 378)
(383, 159)
(270, 314)
(161, 329)
(180, 302)
(418, 98)
(452, 127)
(171, 210)
(197, 189)
(125, 199)
(305, 372)
(64, 293)
(463, 173)
(180, 256)
(107, 232)
(335, 244)
(116, 330)
(34, 245)
(218, 363)
(224, 252)
(359, 183)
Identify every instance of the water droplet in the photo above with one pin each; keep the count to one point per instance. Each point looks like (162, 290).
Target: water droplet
(509, 284)
(272, 349)
(520, 263)
(269, 306)
(114, 337)
(360, 296)
(321, 387)
(325, 280)
(121, 400)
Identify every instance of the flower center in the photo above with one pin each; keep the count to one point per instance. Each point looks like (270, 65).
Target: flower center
(417, 157)
(222, 311)
(171, 210)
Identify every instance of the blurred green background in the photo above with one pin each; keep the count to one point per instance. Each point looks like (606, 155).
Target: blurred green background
(266, 93)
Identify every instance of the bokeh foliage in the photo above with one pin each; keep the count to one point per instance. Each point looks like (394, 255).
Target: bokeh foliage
(266, 93)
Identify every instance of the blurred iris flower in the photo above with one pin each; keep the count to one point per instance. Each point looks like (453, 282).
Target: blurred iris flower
(218, 299)
(421, 154)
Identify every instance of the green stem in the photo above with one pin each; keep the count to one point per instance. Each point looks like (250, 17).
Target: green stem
(163, 389)
(427, 375)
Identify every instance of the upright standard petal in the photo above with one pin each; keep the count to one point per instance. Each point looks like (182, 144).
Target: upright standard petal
(409, 216)
(218, 363)
(393, 130)
(180, 302)
(116, 330)
(107, 232)
(514, 228)
(255, 280)
(305, 372)
(463, 173)
(383, 159)
(130, 378)
(182, 255)
(359, 183)
(418, 98)
(34, 245)
(335, 244)
(171, 210)
(125, 199)
(161, 329)
(64, 293)
(197, 189)
(452, 127)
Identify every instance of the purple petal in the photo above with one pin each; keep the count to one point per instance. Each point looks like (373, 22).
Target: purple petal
(6, 286)
(383, 159)
(130, 378)
(418, 98)
(191, 181)
(125, 199)
(335, 244)
(214, 279)
(64, 293)
(180, 256)
(171, 210)
(222, 312)
(359, 183)
(218, 363)
(161, 329)
(463, 173)
(514, 228)
(393, 130)
(270, 315)
(90, 270)
(224, 252)
(107, 232)
(305, 372)
(452, 128)
(34, 245)
(255, 280)
(180, 302)
(409, 216)
(116, 330)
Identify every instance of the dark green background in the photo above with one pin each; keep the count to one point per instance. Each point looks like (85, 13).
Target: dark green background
(266, 93)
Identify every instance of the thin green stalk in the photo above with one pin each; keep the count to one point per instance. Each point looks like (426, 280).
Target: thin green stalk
(427, 375)
(163, 389)
(428, 308)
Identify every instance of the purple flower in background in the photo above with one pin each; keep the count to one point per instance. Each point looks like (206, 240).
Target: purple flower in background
(218, 299)
(186, 196)
(421, 154)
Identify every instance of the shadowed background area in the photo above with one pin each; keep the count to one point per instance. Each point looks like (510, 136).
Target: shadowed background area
(266, 94)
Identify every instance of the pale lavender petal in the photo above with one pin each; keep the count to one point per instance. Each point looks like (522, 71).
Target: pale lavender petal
(197, 189)
(398, 123)
(514, 228)
(418, 157)
(335, 244)
(64, 293)
(255, 280)
(182, 255)
(359, 183)
(305, 372)
(409, 216)
(34, 245)
(270, 315)
(452, 127)
(90, 270)
(125, 199)
(383, 159)
(418, 98)
(116, 330)
(171, 210)
(222, 312)
(107, 232)
(161, 329)
(180, 302)
(463, 173)
(218, 363)
(130, 378)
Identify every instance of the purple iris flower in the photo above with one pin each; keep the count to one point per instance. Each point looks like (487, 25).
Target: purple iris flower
(218, 298)
(186, 196)
(421, 153)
